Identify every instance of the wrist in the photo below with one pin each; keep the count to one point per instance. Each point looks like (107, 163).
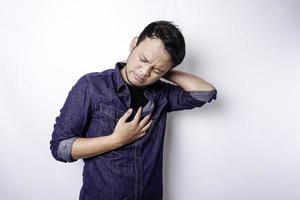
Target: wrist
(115, 141)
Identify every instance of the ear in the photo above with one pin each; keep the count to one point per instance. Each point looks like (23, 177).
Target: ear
(133, 43)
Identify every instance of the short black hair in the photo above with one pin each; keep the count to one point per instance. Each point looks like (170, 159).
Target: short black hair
(171, 37)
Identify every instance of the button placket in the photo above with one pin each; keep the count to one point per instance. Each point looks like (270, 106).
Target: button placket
(138, 167)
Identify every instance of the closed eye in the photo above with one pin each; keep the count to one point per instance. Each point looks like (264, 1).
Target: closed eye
(157, 71)
(143, 60)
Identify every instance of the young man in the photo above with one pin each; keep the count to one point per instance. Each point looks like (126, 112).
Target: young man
(122, 148)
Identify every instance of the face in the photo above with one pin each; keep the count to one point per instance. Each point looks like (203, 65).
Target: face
(146, 63)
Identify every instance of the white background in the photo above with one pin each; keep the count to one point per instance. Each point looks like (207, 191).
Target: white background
(243, 146)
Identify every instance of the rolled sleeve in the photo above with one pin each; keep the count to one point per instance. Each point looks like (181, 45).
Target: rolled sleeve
(64, 149)
(72, 121)
(206, 96)
(179, 99)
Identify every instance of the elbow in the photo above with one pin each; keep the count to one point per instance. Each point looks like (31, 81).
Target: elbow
(210, 88)
(204, 95)
(61, 150)
(53, 148)
(202, 88)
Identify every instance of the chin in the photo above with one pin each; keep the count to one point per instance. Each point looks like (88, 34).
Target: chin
(136, 82)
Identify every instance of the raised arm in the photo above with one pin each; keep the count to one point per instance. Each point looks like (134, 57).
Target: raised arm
(187, 81)
(186, 91)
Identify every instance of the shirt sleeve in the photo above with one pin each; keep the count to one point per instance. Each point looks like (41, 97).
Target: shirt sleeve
(72, 121)
(179, 99)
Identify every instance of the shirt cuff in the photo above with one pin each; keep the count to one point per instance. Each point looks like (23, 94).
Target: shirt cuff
(205, 96)
(64, 149)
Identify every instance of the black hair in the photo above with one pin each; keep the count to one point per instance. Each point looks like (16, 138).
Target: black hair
(171, 37)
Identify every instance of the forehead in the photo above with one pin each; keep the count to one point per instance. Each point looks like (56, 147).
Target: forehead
(154, 51)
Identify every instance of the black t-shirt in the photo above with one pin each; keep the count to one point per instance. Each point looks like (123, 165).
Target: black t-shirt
(137, 97)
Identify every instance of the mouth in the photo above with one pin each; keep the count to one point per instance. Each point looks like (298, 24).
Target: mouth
(138, 78)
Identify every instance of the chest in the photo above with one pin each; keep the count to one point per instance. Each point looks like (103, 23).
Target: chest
(108, 108)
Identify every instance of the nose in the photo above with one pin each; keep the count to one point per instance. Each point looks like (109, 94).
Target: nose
(145, 71)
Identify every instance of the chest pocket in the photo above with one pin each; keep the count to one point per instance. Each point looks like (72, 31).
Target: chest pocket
(107, 110)
(104, 118)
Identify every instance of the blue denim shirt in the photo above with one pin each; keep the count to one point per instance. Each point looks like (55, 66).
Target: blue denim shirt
(93, 107)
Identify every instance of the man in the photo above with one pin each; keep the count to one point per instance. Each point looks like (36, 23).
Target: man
(122, 148)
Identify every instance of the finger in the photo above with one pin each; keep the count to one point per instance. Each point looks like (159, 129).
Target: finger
(126, 115)
(142, 134)
(138, 115)
(145, 128)
(144, 121)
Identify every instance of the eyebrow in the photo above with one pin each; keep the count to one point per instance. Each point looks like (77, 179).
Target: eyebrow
(144, 57)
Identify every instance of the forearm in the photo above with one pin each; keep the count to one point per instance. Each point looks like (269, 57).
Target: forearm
(88, 147)
(188, 81)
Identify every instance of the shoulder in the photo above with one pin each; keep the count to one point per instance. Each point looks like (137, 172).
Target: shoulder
(94, 77)
(97, 81)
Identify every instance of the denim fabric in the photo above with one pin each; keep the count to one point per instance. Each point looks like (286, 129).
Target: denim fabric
(92, 108)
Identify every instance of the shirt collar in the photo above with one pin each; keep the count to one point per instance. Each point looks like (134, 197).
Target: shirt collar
(118, 77)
